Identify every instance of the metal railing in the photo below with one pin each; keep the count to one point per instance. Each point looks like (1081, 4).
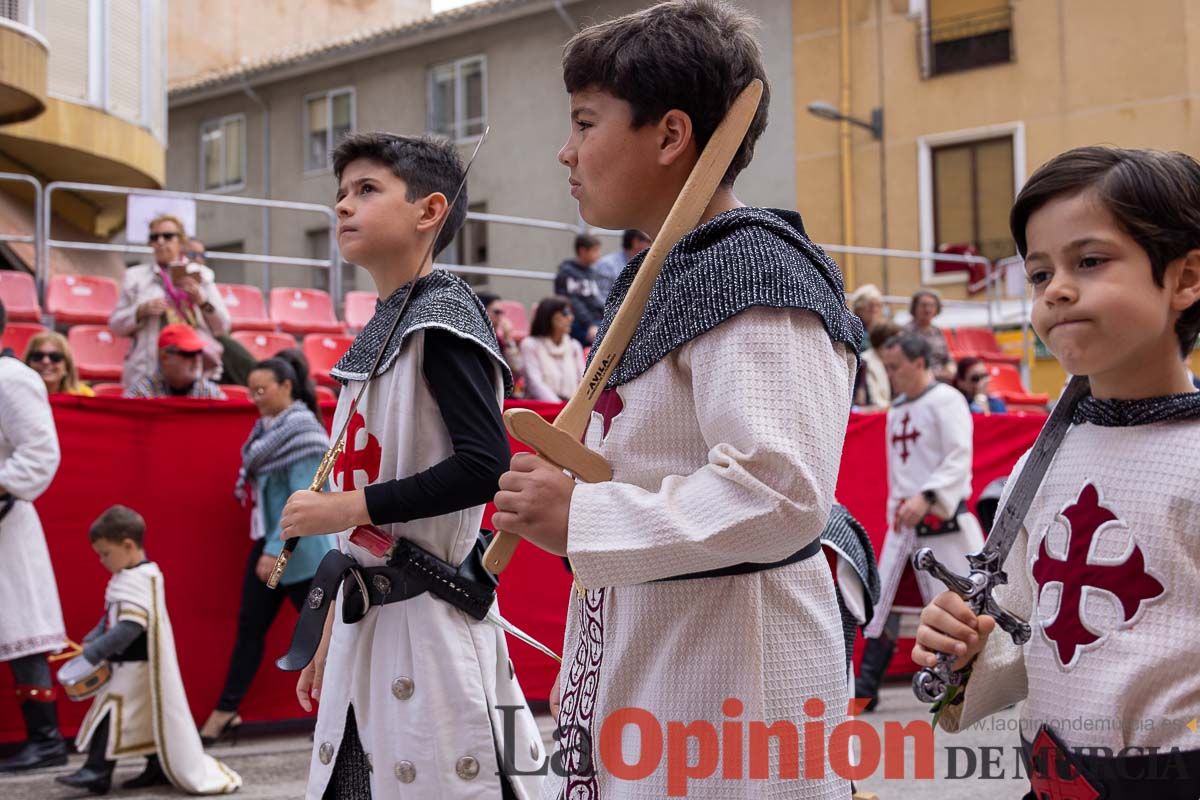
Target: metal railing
(33, 238)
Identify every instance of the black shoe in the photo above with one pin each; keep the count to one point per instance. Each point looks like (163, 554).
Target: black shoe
(876, 657)
(45, 746)
(152, 775)
(230, 730)
(96, 781)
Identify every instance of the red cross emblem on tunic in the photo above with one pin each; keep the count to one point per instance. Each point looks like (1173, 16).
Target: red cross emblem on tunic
(355, 457)
(1128, 581)
(904, 437)
(1053, 775)
(609, 407)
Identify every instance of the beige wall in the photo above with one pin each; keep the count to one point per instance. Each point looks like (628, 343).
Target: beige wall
(1084, 72)
(516, 173)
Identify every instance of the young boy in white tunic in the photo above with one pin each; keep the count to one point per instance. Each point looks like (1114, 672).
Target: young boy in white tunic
(142, 710)
(411, 681)
(929, 446)
(1105, 568)
(723, 424)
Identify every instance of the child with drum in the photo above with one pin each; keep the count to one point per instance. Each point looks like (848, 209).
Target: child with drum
(141, 710)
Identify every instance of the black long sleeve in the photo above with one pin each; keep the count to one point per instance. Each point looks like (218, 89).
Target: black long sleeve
(461, 378)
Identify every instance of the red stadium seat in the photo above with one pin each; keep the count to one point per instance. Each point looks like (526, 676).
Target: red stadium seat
(247, 311)
(360, 307)
(982, 342)
(263, 345)
(1006, 382)
(516, 315)
(108, 389)
(81, 299)
(304, 311)
(99, 353)
(19, 293)
(18, 334)
(235, 392)
(322, 352)
(326, 395)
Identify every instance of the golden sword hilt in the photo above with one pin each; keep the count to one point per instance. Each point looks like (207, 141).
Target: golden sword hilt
(324, 470)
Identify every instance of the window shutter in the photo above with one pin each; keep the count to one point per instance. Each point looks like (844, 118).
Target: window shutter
(125, 59)
(66, 29)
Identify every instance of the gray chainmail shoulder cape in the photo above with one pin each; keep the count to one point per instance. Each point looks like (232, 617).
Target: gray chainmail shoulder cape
(742, 258)
(846, 536)
(439, 300)
(1147, 411)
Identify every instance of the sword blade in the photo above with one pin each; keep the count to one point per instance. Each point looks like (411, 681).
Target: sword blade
(515, 632)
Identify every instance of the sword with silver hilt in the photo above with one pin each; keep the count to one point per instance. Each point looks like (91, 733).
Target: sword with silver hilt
(339, 444)
(941, 682)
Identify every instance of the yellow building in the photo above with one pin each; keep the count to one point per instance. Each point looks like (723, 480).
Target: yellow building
(82, 98)
(973, 96)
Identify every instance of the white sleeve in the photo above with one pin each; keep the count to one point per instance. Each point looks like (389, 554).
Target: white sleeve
(772, 398)
(954, 472)
(28, 426)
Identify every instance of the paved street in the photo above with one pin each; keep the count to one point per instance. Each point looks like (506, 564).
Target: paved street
(275, 767)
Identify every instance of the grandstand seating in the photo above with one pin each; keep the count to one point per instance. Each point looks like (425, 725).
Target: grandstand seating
(263, 344)
(981, 342)
(322, 352)
(247, 311)
(81, 299)
(1006, 383)
(108, 389)
(359, 308)
(325, 394)
(516, 315)
(19, 293)
(99, 353)
(234, 392)
(18, 334)
(304, 311)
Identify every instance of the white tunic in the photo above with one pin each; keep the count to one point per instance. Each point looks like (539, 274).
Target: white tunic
(724, 452)
(1106, 572)
(457, 669)
(31, 619)
(929, 446)
(145, 701)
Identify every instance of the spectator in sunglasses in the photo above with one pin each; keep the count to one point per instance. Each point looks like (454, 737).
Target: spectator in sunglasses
(49, 355)
(180, 371)
(170, 290)
(971, 378)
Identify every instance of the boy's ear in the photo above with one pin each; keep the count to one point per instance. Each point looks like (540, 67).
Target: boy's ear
(675, 138)
(436, 206)
(1187, 288)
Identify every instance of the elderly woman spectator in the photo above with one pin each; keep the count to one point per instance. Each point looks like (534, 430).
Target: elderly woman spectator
(168, 291)
(280, 456)
(927, 304)
(49, 355)
(971, 378)
(867, 304)
(872, 389)
(553, 360)
(180, 372)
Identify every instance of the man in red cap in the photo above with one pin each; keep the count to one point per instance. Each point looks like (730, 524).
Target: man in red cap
(179, 367)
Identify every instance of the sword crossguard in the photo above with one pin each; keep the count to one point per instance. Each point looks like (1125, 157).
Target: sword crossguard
(931, 683)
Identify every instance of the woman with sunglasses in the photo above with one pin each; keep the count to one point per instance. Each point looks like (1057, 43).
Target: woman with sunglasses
(49, 355)
(971, 378)
(170, 290)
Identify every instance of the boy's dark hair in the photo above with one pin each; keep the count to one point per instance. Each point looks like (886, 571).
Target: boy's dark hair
(118, 524)
(1153, 195)
(546, 309)
(631, 235)
(692, 55)
(585, 241)
(913, 345)
(427, 164)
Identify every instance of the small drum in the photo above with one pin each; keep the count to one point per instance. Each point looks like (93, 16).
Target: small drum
(81, 680)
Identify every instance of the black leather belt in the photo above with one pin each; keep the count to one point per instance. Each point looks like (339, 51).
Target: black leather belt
(808, 551)
(412, 570)
(933, 525)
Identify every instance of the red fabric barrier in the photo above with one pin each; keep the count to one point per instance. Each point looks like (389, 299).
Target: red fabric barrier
(175, 462)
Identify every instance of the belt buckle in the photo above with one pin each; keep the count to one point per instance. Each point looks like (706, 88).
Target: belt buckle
(361, 586)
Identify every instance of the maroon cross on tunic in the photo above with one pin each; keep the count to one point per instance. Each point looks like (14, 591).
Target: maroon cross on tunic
(1128, 581)
(609, 407)
(905, 436)
(367, 459)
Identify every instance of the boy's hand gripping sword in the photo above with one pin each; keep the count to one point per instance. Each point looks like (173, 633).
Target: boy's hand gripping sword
(560, 443)
(941, 682)
(367, 536)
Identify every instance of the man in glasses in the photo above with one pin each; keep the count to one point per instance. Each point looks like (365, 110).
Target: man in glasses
(168, 291)
(180, 371)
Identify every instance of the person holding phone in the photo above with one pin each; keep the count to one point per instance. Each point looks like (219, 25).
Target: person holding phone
(171, 290)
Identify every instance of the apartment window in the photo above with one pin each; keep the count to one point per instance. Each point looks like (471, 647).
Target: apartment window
(973, 190)
(11, 9)
(458, 98)
(957, 36)
(223, 153)
(328, 117)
